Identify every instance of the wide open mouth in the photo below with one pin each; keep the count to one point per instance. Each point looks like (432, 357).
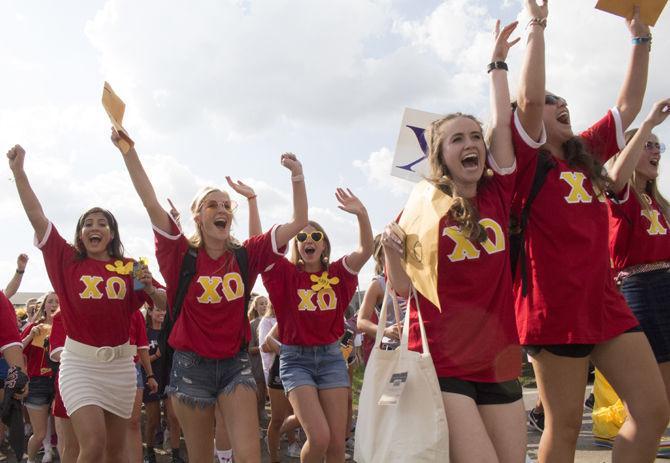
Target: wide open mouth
(470, 161)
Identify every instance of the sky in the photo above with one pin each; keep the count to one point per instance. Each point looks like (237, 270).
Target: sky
(223, 87)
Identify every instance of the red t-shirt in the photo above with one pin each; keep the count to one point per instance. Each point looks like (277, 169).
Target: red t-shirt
(36, 357)
(637, 235)
(57, 337)
(571, 296)
(9, 331)
(96, 302)
(474, 337)
(310, 306)
(212, 320)
(138, 333)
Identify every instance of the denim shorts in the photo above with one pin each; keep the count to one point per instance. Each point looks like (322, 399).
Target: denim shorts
(648, 296)
(197, 380)
(40, 392)
(139, 376)
(322, 367)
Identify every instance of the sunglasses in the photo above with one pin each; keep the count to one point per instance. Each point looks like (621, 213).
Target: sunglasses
(315, 236)
(229, 206)
(651, 146)
(553, 99)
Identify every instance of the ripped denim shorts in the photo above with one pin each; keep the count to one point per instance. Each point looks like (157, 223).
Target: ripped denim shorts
(197, 380)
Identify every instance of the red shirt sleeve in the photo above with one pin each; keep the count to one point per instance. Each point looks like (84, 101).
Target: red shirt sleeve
(9, 331)
(605, 138)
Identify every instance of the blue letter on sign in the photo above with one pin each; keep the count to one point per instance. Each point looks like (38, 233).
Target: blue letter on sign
(418, 132)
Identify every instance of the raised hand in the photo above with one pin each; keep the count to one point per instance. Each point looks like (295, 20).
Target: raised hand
(16, 156)
(117, 137)
(501, 43)
(659, 112)
(241, 188)
(290, 161)
(537, 11)
(636, 26)
(21, 262)
(349, 202)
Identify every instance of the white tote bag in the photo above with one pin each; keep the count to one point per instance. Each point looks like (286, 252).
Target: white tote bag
(400, 411)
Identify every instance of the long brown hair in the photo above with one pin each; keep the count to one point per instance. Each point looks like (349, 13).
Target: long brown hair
(577, 156)
(325, 255)
(462, 210)
(114, 248)
(40, 310)
(650, 188)
(378, 255)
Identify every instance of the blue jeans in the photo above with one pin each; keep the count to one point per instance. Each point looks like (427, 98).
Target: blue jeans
(322, 367)
(648, 295)
(197, 380)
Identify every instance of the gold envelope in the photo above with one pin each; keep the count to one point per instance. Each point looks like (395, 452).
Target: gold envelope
(45, 331)
(420, 221)
(115, 108)
(650, 10)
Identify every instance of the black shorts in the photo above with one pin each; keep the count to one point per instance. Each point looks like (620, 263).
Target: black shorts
(274, 381)
(568, 350)
(483, 393)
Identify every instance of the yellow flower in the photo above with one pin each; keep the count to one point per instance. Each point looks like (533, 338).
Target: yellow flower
(119, 268)
(323, 282)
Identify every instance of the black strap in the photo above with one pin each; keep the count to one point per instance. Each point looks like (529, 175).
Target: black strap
(243, 263)
(544, 164)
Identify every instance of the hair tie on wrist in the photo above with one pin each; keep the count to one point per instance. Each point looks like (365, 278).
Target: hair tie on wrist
(542, 22)
(642, 40)
(20, 272)
(497, 65)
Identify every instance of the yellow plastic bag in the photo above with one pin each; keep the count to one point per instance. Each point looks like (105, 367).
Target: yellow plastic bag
(609, 412)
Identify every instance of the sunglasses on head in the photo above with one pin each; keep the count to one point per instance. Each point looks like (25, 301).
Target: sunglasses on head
(315, 236)
(553, 99)
(651, 146)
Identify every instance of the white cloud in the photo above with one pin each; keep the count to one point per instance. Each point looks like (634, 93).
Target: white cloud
(377, 169)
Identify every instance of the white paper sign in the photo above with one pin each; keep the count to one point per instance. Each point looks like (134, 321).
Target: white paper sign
(411, 154)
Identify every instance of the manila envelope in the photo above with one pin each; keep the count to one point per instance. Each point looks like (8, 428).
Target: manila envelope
(115, 108)
(420, 220)
(650, 10)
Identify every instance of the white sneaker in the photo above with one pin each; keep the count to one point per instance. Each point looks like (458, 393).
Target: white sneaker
(293, 450)
(47, 457)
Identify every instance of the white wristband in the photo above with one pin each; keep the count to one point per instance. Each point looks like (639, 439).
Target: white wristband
(297, 178)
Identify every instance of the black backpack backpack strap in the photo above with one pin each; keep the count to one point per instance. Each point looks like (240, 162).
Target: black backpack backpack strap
(517, 238)
(186, 274)
(242, 258)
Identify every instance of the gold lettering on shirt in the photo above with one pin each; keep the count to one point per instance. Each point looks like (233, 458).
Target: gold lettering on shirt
(466, 249)
(325, 300)
(578, 193)
(91, 290)
(209, 286)
(115, 288)
(655, 227)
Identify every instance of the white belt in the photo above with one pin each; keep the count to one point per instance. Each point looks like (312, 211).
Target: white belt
(100, 354)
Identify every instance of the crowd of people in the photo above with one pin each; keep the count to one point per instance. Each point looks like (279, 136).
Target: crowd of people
(554, 244)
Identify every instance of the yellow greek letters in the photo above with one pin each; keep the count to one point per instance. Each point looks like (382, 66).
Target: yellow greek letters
(91, 290)
(228, 291)
(498, 245)
(655, 227)
(116, 288)
(209, 293)
(578, 193)
(325, 299)
(464, 248)
(321, 299)
(306, 300)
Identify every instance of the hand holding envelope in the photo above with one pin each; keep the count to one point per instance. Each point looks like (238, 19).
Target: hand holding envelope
(420, 222)
(650, 10)
(115, 109)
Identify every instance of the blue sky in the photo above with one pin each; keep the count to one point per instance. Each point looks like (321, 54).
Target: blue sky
(217, 88)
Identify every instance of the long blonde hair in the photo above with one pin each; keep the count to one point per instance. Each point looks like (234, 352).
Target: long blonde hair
(196, 240)
(651, 188)
(40, 315)
(462, 210)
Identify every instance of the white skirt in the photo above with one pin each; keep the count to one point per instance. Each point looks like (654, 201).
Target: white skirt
(108, 385)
